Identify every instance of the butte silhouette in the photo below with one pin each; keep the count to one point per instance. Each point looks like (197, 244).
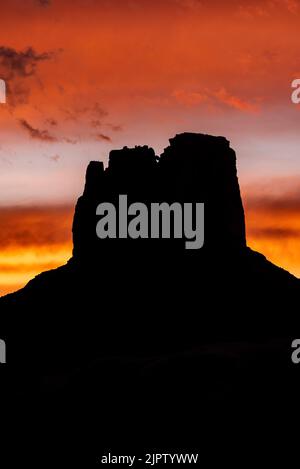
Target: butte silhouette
(147, 331)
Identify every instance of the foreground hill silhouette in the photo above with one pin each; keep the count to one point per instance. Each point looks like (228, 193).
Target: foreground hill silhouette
(146, 331)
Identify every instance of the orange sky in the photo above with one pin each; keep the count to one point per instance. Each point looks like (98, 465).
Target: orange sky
(86, 76)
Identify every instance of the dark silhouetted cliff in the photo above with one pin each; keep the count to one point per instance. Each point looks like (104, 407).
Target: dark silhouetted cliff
(194, 168)
(148, 334)
(221, 288)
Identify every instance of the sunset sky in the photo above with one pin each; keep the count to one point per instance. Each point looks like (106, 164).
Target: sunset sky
(86, 76)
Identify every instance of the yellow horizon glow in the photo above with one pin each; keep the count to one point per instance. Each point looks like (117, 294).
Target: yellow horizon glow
(19, 265)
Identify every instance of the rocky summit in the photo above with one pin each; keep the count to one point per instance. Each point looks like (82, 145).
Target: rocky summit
(194, 168)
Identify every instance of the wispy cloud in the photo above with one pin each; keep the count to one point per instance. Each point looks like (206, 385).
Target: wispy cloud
(214, 98)
(15, 67)
(96, 112)
(44, 3)
(54, 158)
(275, 233)
(15, 63)
(37, 134)
(35, 226)
(114, 127)
(190, 98)
(103, 138)
(235, 102)
(51, 122)
(288, 203)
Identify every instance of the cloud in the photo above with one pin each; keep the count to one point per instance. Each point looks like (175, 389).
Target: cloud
(54, 158)
(44, 3)
(223, 96)
(51, 122)
(15, 67)
(72, 141)
(274, 233)
(96, 123)
(44, 134)
(292, 5)
(22, 64)
(35, 226)
(37, 133)
(96, 112)
(288, 203)
(103, 138)
(190, 98)
(267, 9)
(114, 127)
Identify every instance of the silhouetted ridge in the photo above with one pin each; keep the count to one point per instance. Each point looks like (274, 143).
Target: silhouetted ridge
(194, 168)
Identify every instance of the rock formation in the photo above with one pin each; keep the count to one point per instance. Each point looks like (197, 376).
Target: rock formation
(194, 168)
(141, 344)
